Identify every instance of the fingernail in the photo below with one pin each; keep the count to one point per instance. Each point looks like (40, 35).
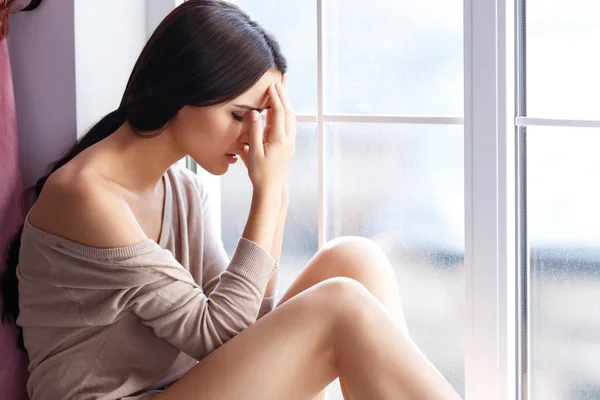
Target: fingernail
(254, 115)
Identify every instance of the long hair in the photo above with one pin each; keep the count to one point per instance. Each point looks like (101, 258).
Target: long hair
(205, 52)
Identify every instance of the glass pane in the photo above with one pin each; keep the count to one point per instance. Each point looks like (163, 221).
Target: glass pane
(564, 234)
(300, 241)
(394, 57)
(403, 187)
(562, 59)
(295, 28)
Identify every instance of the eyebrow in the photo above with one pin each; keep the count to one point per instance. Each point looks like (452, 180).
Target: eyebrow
(251, 108)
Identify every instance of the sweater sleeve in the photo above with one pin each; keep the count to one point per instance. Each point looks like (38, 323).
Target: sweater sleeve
(178, 311)
(215, 260)
(267, 305)
(214, 257)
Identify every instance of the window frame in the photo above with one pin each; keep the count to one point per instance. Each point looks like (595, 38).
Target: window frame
(490, 200)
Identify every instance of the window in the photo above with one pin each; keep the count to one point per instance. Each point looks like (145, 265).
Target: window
(379, 150)
(558, 123)
(563, 231)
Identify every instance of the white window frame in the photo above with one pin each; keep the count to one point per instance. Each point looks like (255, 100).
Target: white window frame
(490, 182)
(490, 203)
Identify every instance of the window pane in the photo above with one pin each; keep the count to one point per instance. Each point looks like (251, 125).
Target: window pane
(394, 57)
(403, 187)
(562, 59)
(564, 233)
(295, 28)
(301, 235)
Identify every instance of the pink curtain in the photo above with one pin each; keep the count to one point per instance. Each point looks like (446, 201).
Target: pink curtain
(13, 362)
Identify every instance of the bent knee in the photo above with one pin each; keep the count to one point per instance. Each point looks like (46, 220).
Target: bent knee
(357, 254)
(341, 286)
(353, 247)
(341, 292)
(346, 301)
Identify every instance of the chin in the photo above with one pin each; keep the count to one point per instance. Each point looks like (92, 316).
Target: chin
(214, 168)
(223, 171)
(217, 170)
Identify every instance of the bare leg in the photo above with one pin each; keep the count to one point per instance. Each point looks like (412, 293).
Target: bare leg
(361, 260)
(335, 328)
(357, 258)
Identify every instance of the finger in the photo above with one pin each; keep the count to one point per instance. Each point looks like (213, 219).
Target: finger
(244, 155)
(290, 116)
(291, 127)
(278, 122)
(269, 117)
(282, 95)
(255, 136)
(267, 134)
(283, 98)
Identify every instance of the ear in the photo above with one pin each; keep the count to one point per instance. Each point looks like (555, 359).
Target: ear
(283, 79)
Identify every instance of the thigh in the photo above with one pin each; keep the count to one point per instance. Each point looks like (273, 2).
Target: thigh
(287, 354)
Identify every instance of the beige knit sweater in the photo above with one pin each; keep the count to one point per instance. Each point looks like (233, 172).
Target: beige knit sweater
(124, 323)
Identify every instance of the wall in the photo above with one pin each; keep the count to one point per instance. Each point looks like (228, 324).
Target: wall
(109, 37)
(71, 60)
(42, 52)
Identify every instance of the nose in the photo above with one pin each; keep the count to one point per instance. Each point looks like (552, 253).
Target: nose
(244, 137)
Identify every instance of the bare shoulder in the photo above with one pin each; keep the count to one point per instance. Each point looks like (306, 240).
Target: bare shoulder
(82, 207)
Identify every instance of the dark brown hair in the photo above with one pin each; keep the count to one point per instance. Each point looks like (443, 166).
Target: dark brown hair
(205, 52)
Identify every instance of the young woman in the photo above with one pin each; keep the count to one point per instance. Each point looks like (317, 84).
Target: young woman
(124, 289)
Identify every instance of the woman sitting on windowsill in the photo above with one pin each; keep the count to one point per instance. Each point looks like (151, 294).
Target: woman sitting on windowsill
(124, 289)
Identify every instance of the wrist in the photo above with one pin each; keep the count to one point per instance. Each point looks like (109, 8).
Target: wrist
(267, 191)
(285, 197)
(270, 196)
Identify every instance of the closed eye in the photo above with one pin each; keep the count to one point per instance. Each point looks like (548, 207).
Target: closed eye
(239, 118)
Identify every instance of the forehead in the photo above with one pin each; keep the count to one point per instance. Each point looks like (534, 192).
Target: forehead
(257, 96)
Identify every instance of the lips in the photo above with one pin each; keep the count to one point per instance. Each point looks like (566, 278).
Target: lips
(231, 158)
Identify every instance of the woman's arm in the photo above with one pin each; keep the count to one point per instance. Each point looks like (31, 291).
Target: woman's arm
(215, 260)
(262, 220)
(278, 241)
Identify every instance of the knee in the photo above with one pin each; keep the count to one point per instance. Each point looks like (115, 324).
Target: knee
(347, 302)
(353, 247)
(354, 256)
(341, 294)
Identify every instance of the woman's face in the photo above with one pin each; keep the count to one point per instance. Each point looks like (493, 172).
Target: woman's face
(213, 135)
